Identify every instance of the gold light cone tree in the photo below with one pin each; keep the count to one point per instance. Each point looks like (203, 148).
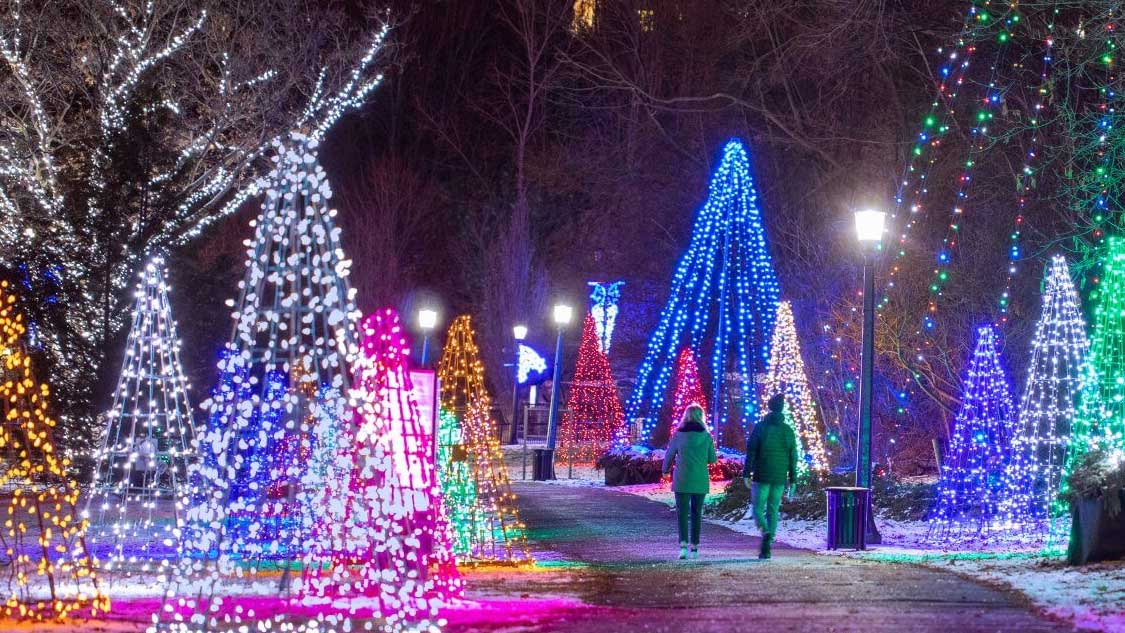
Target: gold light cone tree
(50, 571)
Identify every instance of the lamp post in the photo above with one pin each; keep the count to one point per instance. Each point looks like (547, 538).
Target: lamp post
(519, 333)
(561, 316)
(427, 319)
(869, 230)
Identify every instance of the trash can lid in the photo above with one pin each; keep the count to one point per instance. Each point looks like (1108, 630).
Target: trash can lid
(845, 489)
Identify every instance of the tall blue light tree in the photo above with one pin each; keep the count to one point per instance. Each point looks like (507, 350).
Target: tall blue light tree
(971, 486)
(722, 303)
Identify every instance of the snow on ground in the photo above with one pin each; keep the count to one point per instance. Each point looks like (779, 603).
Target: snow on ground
(1091, 597)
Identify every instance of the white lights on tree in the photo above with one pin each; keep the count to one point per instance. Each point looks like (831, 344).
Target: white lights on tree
(786, 375)
(139, 468)
(1039, 447)
(274, 501)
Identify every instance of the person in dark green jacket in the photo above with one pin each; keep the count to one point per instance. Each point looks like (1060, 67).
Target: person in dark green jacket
(771, 466)
(691, 449)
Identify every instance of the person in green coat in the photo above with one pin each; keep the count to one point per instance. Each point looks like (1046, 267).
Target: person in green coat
(771, 466)
(691, 449)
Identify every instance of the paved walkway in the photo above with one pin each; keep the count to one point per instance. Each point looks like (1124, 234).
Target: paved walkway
(616, 563)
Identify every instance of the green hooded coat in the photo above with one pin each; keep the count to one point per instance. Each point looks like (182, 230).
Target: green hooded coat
(691, 451)
(771, 451)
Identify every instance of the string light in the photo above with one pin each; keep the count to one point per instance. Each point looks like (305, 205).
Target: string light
(1100, 422)
(1034, 476)
(50, 571)
(140, 466)
(688, 389)
(787, 376)
(724, 291)
(283, 486)
(478, 494)
(970, 489)
(593, 409)
(603, 306)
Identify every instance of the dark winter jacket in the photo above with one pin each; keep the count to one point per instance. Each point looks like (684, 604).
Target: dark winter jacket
(771, 452)
(691, 450)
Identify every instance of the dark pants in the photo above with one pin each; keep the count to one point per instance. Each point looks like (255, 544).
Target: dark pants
(689, 504)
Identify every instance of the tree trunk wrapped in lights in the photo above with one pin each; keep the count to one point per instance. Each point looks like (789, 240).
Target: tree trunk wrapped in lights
(1039, 447)
(50, 571)
(787, 376)
(478, 494)
(971, 487)
(276, 487)
(593, 410)
(724, 292)
(140, 467)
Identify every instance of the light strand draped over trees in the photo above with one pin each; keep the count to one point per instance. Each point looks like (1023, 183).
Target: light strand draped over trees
(128, 126)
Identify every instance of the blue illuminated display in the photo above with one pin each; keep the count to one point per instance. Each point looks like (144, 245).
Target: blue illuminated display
(723, 300)
(531, 363)
(603, 307)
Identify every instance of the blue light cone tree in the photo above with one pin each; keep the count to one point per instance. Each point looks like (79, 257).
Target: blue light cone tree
(1039, 446)
(971, 484)
(722, 304)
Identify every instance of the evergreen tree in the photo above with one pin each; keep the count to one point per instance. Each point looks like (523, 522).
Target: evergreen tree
(1039, 447)
(724, 292)
(146, 443)
(593, 410)
(491, 529)
(971, 486)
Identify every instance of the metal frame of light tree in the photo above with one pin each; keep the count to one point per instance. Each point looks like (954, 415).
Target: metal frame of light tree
(593, 416)
(787, 376)
(970, 490)
(50, 571)
(486, 525)
(1100, 422)
(1039, 447)
(724, 291)
(270, 484)
(133, 506)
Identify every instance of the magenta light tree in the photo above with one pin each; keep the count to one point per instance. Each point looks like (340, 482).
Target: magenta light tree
(971, 484)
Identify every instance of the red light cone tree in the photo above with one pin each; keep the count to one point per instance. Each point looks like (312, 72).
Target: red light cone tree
(689, 389)
(593, 409)
(50, 572)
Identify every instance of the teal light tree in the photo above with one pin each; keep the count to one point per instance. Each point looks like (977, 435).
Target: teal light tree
(1048, 405)
(1100, 422)
(141, 463)
(971, 484)
(722, 304)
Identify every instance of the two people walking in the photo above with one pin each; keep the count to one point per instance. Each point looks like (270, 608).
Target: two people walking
(771, 466)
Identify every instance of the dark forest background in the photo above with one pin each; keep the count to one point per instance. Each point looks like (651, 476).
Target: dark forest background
(520, 148)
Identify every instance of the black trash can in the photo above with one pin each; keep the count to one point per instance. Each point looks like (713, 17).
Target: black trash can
(543, 464)
(847, 517)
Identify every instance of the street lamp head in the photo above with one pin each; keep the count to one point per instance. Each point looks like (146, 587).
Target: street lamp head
(562, 314)
(427, 319)
(869, 225)
(519, 332)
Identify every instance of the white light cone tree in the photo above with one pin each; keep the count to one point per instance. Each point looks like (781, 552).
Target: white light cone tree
(271, 497)
(140, 466)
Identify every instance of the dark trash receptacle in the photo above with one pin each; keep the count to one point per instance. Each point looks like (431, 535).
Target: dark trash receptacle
(543, 464)
(1094, 534)
(847, 517)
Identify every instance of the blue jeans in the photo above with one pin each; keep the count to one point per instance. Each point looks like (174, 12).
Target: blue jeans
(689, 504)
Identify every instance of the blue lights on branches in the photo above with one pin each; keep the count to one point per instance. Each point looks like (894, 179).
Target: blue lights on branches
(723, 300)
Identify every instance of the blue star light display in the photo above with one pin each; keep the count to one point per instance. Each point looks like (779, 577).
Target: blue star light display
(972, 478)
(532, 365)
(722, 303)
(603, 307)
